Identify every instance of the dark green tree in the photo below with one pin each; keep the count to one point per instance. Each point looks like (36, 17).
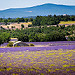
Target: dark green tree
(22, 26)
(23, 37)
(1, 40)
(26, 19)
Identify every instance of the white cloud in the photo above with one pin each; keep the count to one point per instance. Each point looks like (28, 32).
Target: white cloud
(28, 11)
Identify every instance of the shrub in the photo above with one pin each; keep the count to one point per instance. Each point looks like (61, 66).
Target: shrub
(29, 25)
(16, 45)
(31, 44)
(10, 44)
(22, 26)
(71, 38)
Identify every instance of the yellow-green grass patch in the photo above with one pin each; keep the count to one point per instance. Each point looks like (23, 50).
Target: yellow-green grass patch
(67, 22)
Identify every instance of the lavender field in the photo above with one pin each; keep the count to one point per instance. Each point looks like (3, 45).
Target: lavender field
(55, 43)
(14, 49)
(47, 62)
(53, 58)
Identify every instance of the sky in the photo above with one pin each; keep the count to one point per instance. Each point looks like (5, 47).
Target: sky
(6, 4)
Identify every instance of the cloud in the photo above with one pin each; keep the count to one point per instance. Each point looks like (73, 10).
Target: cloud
(28, 11)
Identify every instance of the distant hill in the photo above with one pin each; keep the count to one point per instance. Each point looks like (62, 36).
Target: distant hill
(43, 10)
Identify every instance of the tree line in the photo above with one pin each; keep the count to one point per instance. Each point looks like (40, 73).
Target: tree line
(41, 20)
(39, 34)
(51, 20)
(18, 20)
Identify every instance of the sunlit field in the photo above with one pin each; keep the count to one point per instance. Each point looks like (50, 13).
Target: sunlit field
(27, 23)
(67, 22)
(46, 62)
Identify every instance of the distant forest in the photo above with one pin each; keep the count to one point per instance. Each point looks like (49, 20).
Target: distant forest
(40, 20)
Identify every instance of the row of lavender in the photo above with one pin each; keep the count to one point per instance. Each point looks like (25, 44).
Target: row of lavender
(55, 43)
(13, 49)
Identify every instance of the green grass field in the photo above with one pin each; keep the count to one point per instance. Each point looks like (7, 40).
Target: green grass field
(67, 22)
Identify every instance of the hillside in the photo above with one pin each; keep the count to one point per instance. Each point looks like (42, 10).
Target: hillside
(45, 9)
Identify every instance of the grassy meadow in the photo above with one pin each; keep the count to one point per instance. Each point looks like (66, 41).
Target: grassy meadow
(67, 22)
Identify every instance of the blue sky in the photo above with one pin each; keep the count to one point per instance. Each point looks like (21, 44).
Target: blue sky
(5, 4)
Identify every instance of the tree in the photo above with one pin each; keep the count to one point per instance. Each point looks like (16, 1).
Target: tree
(1, 40)
(8, 27)
(31, 19)
(18, 22)
(29, 25)
(26, 19)
(62, 27)
(23, 37)
(6, 37)
(57, 25)
(55, 36)
(22, 26)
(9, 19)
(12, 27)
(5, 21)
(22, 19)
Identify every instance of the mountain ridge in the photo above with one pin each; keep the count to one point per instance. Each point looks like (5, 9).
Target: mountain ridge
(41, 10)
(40, 5)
